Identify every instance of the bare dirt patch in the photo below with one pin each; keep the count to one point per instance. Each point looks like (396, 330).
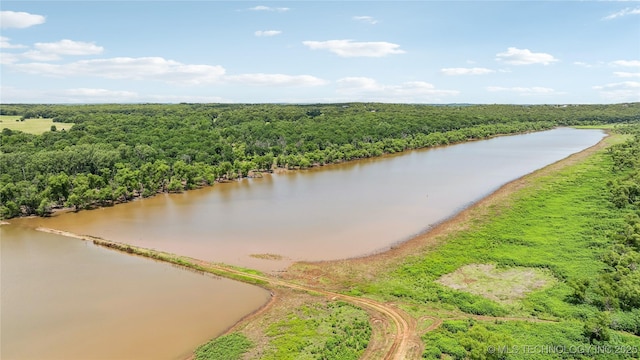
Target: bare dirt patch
(500, 285)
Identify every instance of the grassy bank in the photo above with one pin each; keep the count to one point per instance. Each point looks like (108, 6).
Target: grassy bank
(559, 223)
(562, 225)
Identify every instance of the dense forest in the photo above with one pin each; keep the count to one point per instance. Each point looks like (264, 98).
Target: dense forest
(618, 286)
(114, 153)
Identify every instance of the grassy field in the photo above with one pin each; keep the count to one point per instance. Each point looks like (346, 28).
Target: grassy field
(298, 326)
(464, 339)
(230, 347)
(31, 126)
(334, 330)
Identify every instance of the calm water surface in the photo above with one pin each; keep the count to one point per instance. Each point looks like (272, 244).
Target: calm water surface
(63, 298)
(333, 212)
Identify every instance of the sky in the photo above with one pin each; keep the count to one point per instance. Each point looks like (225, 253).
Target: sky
(431, 52)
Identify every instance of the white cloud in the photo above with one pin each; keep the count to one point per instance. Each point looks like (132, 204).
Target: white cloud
(97, 92)
(184, 99)
(621, 13)
(78, 95)
(268, 8)
(588, 65)
(624, 84)
(52, 51)
(8, 58)
(515, 56)
(626, 74)
(6, 44)
(160, 69)
(40, 56)
(69, 47)
(100, 95)
(620, 92)
(144, 68)
(583, 64)
(261, 33)
(276, 80)
(536, 90)
(19, 20)
(466, 71)
(358, 84)
(90, 95)
(626, 63)
(350, 48)
(366, 19)
(363, 88)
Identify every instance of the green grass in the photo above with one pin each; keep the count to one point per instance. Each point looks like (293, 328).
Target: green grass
(31, 126)
(336, 330)
(228, 347)
(463, 339)
(319, 330)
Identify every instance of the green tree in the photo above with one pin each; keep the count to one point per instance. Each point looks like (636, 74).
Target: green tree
(596, 329)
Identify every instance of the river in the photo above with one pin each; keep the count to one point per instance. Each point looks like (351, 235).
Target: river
(330, 212)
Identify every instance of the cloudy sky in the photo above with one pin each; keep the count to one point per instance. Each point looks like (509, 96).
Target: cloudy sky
(522, 52)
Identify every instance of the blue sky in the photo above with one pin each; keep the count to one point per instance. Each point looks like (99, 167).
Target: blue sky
(514, 52)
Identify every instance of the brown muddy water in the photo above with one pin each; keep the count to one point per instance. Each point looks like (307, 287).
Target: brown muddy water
(63, 298)
(326, 213)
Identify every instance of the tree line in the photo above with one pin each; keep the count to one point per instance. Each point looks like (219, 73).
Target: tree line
(616, 290)
(114, 153)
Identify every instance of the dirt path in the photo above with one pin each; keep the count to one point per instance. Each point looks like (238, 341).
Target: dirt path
(405, 326)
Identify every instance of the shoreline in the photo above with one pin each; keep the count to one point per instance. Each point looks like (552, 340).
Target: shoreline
(431, 236)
